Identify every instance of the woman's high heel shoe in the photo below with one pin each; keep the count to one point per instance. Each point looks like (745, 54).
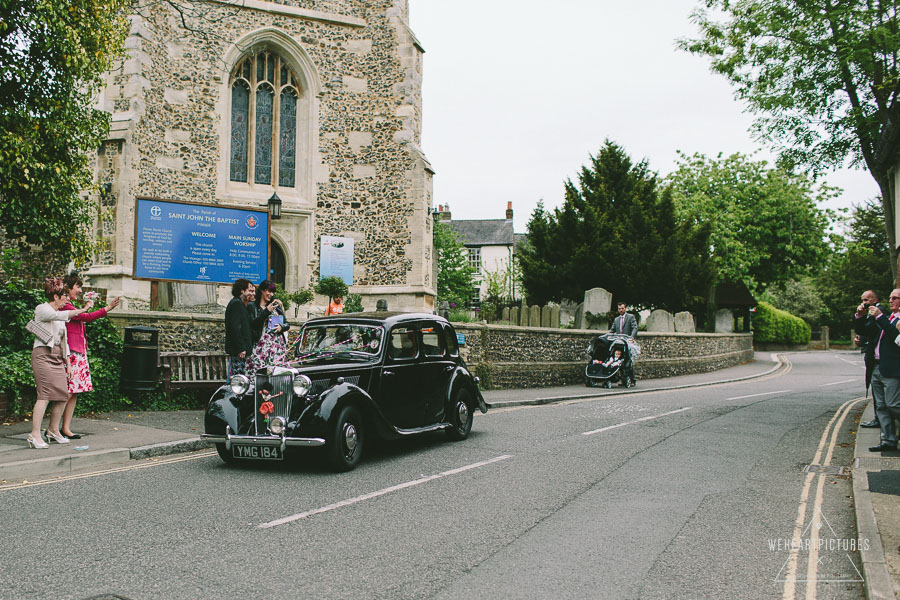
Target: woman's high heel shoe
(37, 443)
(56, 437)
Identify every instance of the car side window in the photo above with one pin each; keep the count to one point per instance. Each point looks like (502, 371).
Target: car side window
(403, 343)
(432, 341)
(452, 345)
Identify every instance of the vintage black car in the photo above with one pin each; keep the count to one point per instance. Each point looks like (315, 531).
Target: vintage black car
(357, 375)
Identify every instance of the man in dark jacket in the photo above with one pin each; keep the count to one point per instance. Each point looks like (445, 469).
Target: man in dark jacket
(865, 342)
(624, 323)
(237, 326)
(886, 376)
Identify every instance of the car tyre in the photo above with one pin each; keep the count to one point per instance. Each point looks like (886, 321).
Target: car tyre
(461, 416)
(225, 454)
(347, 440)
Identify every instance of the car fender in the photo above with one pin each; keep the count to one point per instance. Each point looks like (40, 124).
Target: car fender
(318, 420)
(462, 379)
(223, 409)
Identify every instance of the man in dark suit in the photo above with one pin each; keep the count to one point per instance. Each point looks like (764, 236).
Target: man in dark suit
(865, 342)
(624, 323)
(886, 376)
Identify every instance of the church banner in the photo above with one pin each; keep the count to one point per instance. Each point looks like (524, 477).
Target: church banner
(336, 258)
(199, 243)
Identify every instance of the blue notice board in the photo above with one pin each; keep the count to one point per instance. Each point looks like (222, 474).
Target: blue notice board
(199, 243)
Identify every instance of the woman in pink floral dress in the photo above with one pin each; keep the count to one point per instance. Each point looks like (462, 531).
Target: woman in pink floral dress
(267, 328)
(80, 371)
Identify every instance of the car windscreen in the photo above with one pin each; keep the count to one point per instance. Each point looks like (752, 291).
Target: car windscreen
(339, 341)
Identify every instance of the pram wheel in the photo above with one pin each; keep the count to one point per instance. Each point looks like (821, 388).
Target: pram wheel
(607, 384)
(627, 383)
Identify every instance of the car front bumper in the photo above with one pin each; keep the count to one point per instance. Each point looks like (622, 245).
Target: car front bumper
(260, 440)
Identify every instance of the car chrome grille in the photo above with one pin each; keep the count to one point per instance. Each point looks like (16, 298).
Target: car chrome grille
(282, 396)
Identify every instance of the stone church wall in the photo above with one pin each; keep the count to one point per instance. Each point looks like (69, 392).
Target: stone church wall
(360, 170)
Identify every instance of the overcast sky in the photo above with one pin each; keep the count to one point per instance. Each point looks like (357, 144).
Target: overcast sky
(518, 93)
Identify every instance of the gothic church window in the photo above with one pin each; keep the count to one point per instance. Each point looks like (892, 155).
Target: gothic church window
(264, 93)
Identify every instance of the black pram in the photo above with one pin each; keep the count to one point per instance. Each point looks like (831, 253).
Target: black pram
(606, 372)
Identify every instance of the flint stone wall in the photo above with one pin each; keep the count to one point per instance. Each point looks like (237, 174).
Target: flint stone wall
(516, 357)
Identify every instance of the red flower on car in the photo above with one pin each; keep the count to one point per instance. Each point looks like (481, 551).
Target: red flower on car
(266, 408)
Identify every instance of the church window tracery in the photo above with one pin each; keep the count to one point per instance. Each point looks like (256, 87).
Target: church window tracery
(264, 94)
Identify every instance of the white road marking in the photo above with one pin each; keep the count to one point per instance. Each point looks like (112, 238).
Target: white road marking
(602, 429)
(755, 395)
(839, 382)
(382, 492)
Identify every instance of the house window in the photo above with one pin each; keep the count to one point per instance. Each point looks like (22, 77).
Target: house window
(475, 299)
(264, 93)
(475, 258)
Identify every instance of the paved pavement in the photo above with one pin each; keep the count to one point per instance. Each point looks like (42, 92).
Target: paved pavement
(115, 439)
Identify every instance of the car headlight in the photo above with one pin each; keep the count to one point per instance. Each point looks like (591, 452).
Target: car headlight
(276, 425)
(302, 384)
(239, 384)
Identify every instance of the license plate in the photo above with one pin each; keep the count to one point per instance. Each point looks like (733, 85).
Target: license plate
(257, 452)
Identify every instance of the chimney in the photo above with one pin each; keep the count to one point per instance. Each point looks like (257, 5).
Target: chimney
(445, 213)
(509, 211)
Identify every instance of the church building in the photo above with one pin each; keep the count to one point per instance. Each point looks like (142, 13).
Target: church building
(242, 103)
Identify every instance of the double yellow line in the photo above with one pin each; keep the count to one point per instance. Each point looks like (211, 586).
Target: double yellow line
(826, 448)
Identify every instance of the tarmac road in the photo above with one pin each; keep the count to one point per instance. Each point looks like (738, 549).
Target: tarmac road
(655, 494)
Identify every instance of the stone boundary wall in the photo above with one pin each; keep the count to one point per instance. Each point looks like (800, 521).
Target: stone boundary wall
(518, 357)
(513, 357)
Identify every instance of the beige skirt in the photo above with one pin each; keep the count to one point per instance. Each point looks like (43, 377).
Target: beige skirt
(49, 369)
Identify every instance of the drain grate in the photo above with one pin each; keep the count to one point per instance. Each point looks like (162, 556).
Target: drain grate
(872, 463)
(827, 469)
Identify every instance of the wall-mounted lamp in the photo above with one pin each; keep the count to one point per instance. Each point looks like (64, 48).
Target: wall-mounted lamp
(275, 206)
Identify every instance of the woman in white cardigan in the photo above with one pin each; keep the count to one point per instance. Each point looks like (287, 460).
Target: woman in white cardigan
(50, 363)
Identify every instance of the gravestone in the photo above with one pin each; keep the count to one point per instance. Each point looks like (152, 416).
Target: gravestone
(684, 322)
(554, 317)
(661, 320)
(724, 321)
(514, 316)
(505, 315)
(545, 316)
(597, 301)
(534, 316)
(579, 316)
(523, 316)
(443, 309)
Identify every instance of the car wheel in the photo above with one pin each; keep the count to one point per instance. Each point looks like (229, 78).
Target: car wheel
(225, 454)
(461, 416)
(346, 444)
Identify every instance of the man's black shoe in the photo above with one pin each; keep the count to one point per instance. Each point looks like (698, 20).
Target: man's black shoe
(883, 447)
(872, 423)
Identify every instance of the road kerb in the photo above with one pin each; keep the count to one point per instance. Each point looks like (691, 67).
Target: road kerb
(24, 469)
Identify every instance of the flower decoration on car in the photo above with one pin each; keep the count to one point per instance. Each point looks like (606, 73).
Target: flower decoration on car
(266, 408)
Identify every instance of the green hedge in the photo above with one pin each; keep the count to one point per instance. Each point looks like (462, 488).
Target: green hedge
(777, 326)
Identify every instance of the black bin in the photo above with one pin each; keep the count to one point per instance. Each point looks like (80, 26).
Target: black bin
(139, 359)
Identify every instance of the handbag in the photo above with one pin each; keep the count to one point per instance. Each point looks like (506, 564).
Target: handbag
(40, 331)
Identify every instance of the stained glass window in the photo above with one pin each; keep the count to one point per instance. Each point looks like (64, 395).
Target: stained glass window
(264, 102)
(287, 148)
(240, 115)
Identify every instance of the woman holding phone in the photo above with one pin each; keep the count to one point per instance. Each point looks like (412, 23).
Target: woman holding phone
(267, 328)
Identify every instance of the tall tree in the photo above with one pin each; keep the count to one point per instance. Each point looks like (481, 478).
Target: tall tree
(822, 78)
(859, 263)
(614, 230)
(52, 58)
(456, 278)
(766, 223)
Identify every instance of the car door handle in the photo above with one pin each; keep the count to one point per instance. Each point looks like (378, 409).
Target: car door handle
(449, 369)
(387, 372)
